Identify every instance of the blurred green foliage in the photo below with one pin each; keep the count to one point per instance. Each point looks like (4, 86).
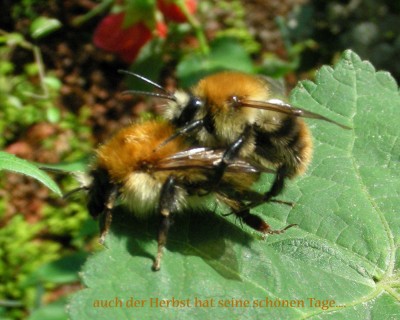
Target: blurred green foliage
(236, 27)
(27, 9)
(28, 96)
(369, 27)
(20, 254)
(19, 92)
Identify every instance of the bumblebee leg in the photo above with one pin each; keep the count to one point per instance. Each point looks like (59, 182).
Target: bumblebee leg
(243, 213)
(194, 125)
(230, 154)
(277, 185)
(107, 213)
(255, 199)
(167, 205)
(259, 224)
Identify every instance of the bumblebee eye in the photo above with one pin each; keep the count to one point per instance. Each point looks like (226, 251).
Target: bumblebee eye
(189, 111)
(234, 102)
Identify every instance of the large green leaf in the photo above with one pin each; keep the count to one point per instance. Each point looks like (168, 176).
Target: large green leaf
(343, 250)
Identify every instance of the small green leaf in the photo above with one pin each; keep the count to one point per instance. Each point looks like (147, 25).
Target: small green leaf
(12, 163)
(31, 69)
(6, 67)
(12, 102)
(53, 114)
(12, 39)
(139, 10)
(342, 260)
(43, 26)
(53, 83)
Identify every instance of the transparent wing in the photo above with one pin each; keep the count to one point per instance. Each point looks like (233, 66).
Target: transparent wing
(283, 107)
(276, 87)
(205, 158)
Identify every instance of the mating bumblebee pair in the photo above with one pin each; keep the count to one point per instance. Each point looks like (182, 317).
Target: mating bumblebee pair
(216, 139)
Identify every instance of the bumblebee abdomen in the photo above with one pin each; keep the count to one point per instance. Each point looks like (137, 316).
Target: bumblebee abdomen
(132, 149)
(99, 191)
(289, 145)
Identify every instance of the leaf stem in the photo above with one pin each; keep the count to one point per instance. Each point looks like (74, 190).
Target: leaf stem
(103, 6)
(203, 44)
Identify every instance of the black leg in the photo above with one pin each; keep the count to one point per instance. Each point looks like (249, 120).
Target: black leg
(194, 125)
(107, 213)
(231, 153)
(277, 185)
(255, 199)
(276, 189)
(243, 212)
(168, 204)
(255, 222)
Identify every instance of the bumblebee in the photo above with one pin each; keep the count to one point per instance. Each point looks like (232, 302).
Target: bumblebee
(166, 180)
(237, 112)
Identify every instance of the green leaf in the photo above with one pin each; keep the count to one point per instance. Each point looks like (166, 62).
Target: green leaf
(12, 163)
(53, 114)
(341, 262)
(53, 83)
(43, 26)
(225, 54)
(150, 55)
(12, 39)
(139, 11)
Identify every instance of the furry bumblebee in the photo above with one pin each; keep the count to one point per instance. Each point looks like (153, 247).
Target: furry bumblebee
(237, 112)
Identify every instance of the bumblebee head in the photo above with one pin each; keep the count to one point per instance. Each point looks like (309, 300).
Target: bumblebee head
(184, 109)
(182, 106)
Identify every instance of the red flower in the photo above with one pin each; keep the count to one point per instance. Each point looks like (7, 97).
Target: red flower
(112, 36)
(171, 10)
(161, 29)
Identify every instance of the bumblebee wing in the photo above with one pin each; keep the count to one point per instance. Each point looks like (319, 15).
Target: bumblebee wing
(189, 159)
(204, 158)
(275, 87)
(283, 107)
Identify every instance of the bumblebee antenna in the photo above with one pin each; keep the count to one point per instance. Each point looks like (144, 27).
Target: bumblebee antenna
(144, 79)
(164, 95)
(151, 94)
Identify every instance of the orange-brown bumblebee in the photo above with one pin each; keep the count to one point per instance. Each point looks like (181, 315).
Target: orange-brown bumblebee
(237, 112)
(130, 167)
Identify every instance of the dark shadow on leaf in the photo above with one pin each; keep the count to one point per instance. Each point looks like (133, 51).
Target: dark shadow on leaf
(204, 234)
